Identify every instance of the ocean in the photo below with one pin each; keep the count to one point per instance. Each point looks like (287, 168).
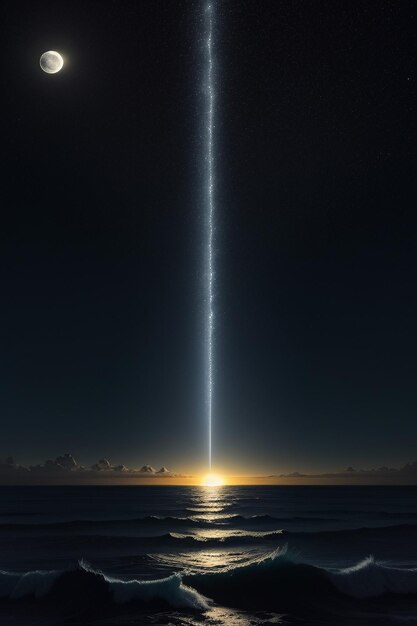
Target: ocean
(224, 556)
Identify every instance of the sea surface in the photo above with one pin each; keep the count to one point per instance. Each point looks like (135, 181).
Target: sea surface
(224, 556)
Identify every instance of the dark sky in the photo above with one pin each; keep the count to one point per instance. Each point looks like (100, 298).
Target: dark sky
(102, 228)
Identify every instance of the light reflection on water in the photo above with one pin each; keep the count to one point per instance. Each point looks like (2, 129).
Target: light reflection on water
(212, 517)
(205, 509)
(202, 561)
(220, 534)
(218, 616)
(212, 502)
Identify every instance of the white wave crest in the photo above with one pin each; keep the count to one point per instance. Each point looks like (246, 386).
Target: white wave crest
(171, 590)
(370, 578)
(37, 583)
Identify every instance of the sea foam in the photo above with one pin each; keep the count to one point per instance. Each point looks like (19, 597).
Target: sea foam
(171, 590)
(369, 578)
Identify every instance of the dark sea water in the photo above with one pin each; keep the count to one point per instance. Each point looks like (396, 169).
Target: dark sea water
(227, 556)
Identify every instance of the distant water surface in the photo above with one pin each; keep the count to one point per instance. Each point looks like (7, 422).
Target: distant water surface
(221, 556)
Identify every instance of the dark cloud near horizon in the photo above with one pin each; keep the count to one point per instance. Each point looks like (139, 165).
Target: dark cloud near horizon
(67, 465)
(408, 470)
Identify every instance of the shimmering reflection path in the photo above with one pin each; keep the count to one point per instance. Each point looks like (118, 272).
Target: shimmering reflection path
(217, 534)
(227, 543)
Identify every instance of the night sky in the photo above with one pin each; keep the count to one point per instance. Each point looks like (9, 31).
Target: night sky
(102, 233)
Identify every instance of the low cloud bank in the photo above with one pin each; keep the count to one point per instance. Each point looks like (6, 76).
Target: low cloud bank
(407, 474)
(67, 466)
(66, 470)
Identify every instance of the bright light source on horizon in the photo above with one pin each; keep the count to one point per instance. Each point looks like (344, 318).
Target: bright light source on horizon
(212, 480)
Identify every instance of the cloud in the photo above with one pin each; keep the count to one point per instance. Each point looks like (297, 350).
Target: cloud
(66, 469)
(8, 467)
(406, 473)
(147, 469)
(66, 466)
(65, 463)
(410, 469)
(120, 468)
(101, 466)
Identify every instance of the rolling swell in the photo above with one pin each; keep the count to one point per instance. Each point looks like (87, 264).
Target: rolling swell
(198, 521)
(344, 534)
(195, 520)
(185, 531)
(88, 524)
(276, 582)
(196, 540)
(281, 581)
(150, 520)
(87, 586)
(192, 520)
(166, 540)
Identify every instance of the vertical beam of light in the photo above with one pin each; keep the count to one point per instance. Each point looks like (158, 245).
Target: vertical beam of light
(210, 208)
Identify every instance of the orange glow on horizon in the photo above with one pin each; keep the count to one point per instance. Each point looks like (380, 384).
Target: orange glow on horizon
(212, 480)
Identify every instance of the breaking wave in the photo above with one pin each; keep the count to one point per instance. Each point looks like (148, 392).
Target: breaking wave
(280, 580)
(85, 583)
(276, 581)
(369, 578)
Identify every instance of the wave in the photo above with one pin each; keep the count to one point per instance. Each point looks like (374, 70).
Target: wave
(269, 519)
(278, 581)
(96, 586)
(170, 539)
(193, 520)
(187, 533)
(199, 520)
(231, 539)
(378, 532)
(398, 515)
(87, 524)
(36, 583)
(225, 536)
(369, 578)
(367, 514)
